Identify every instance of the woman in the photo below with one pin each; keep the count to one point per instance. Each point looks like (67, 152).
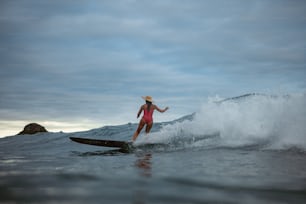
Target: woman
(147, 118)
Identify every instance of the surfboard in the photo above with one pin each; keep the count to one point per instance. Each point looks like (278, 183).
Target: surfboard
(127, 146)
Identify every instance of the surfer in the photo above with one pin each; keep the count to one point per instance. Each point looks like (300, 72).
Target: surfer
(147, 118)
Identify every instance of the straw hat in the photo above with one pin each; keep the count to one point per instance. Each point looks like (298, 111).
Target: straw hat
(147, 98)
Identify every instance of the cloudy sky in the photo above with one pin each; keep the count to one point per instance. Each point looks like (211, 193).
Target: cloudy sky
(75, 65)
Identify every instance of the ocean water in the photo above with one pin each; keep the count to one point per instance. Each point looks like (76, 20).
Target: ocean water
(248, 149)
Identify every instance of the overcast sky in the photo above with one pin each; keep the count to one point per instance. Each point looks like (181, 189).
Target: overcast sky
(75, 65)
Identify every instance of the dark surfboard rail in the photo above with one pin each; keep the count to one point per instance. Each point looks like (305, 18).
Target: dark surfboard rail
(104, 143)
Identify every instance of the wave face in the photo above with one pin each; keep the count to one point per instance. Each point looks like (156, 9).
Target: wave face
(252, 120)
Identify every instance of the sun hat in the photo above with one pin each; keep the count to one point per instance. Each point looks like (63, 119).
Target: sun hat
(147, 98)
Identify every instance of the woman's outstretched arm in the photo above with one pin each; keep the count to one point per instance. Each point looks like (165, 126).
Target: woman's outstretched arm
(161, 110)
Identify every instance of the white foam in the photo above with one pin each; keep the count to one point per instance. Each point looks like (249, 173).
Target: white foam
(276, 121)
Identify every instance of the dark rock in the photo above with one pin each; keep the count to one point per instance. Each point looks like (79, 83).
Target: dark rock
(32, 128)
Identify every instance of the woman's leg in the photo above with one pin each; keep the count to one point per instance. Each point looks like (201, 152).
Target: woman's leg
(148, 127)
(140, 126)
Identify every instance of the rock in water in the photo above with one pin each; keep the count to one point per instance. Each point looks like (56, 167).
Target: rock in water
(32, 128)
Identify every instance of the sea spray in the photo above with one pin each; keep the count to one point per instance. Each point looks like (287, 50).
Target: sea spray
(264, 121)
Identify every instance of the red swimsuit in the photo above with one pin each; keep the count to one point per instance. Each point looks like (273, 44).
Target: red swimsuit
(148, 115)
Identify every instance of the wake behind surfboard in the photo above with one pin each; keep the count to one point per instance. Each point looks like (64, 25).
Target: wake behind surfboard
(125, 146)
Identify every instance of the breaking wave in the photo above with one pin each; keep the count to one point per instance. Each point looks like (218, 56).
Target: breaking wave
(252, 121)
